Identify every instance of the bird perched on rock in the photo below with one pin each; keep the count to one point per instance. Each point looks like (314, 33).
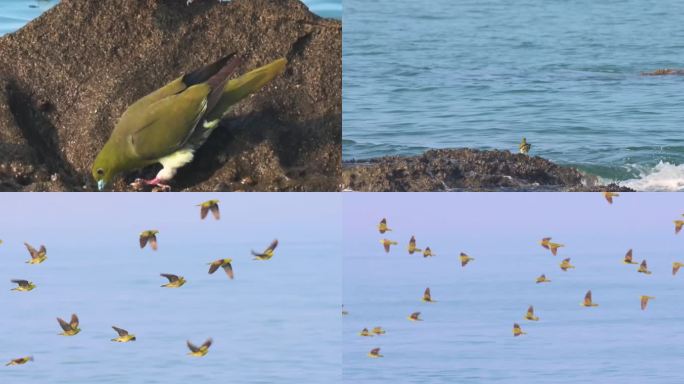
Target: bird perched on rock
(174, 280)
(210, 206)
(124, 336)
(267, 253)
(524, 146)
(201, 350)
(170, 124)
(222, 263)
(19, 361)
(37, 256)
(23, 285)
(382, 227)
(149, 236)
(71, 328)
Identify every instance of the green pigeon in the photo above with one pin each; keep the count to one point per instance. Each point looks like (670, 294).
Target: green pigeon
(169, 124)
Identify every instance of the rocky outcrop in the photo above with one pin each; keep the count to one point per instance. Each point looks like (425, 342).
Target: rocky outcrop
(466, 170)
(67, 76)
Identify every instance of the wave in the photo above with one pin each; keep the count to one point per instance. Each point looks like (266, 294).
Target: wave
(663, 177)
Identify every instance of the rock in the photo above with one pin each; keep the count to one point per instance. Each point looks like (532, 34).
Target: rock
(466, 170)
(66, 77)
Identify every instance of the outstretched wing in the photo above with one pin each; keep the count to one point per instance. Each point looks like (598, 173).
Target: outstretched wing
(153, 242)
(74, 321)
(31, 250)
(214, 266)
(21, 283)
(143, 240)
(65, 326)
(207, 344)
(121, 332)
(215, 211)
(272, 246)
(192, 347)
(229, 270)
(169, 276)
(203, 212)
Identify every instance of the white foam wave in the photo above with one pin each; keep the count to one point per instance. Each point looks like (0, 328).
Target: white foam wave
(662, 177)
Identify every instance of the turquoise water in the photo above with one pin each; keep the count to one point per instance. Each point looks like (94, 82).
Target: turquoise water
(483, 74)
(466, 336)
(15, 13)
(276, 322)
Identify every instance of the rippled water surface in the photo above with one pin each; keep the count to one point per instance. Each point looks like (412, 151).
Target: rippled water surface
(278, 321)
(466, 336)
(483, 74)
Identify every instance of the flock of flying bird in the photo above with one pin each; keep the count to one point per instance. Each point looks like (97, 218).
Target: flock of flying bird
(148, 237)
(546, 243)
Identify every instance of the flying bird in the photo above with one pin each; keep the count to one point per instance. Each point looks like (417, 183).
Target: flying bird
(675, 267)
(149, 236)
(174, 281)
(222, 263)
(365, 333)
(465, 259)
(378, 331)
(678, 225)
(20, 361)
(628, 258)
(427, 297)
(124, 336)
(524, 146)
(553, 247)
(587, 300)
(565, 264)
(202, 350)
(517, 331)
(386, 243)
(170, 124)
(530, 314)
(37, 256)
(428, 252)
(382, 227)
(412, 246)
(23, 285)
(71, 328)
(267, 253)
(210, 206)
(643, 268)
(375, 353)
(644, 301)
(415, 316)
(609, 196)
(542, 279)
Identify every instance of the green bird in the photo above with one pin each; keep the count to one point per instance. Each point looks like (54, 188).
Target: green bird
(169, 124)
(210, 206)
(524, 146)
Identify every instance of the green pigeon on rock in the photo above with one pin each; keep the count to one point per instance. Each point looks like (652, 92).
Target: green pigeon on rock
(170, 124)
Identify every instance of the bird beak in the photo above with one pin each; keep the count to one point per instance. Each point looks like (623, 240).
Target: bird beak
(100, 185)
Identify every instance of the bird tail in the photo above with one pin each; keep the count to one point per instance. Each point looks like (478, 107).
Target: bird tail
(237, 89)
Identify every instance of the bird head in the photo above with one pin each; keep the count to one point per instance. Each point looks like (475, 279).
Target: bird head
(105, 168)
(227, 260)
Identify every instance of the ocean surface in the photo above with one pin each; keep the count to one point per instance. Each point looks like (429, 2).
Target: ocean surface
(484, 73)
(466, 336)
(15, 13)
(278, 321)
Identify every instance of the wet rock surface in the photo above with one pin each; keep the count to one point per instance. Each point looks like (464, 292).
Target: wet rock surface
(66, 77)
(466, 170)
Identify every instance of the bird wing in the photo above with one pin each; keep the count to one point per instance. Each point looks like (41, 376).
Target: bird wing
(530, 311)
(545, 242)
(65, 326)
(207, 344)
(675, 268)
(153, 242)
(169, 276)
(644, 265)
(21, 283)
(121, 332)
(587, 298)
(272, 246)
(215, 211)
(644, 302)
(192, 347)
(608, 197)
(628, 256)
(214, 266)
(375, 351)
(164, 126)
(74, 321)
(203, 212)
(426, 295)
(386, 245)
(31, 250)
(415, 315)
(143, 240)
(229, 270)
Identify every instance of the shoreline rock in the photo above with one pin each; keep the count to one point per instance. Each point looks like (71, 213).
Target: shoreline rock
(466, 170)
(68, 75)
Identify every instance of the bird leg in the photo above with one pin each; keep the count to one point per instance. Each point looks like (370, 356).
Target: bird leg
(157, 184)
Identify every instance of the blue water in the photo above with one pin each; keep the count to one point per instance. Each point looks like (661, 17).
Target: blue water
(466, 336)
(15, 13)
(276, 322)
(483, 74)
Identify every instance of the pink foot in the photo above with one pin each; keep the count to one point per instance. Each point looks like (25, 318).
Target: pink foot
(156, 183)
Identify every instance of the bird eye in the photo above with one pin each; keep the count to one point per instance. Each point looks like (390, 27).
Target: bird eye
(100, 171)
